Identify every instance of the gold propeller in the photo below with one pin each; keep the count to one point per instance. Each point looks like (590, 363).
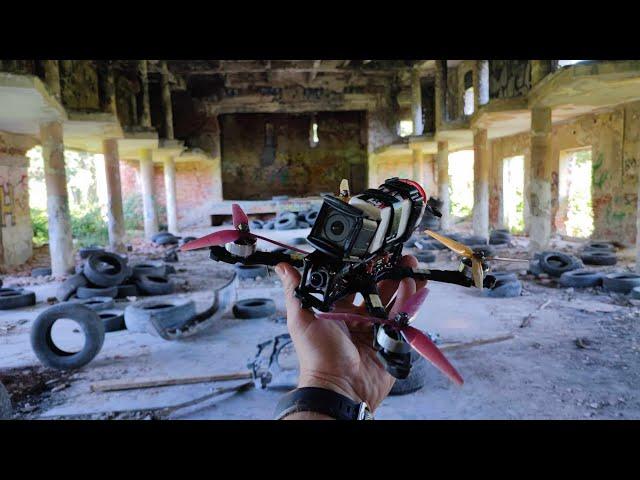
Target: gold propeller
(467, 252)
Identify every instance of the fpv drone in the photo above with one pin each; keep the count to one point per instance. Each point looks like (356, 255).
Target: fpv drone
(358, 242)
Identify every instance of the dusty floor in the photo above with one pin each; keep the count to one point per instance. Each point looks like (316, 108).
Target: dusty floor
(542, 373)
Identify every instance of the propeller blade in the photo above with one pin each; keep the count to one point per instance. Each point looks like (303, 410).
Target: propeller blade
(414, 302)
(451, 244)
(278, 243)
(502, 259)
(478, 274)
(351, 317)
(213, 239)
(238, 215)
(422, 344)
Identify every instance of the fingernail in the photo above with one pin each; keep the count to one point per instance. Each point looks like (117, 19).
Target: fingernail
(280, 270)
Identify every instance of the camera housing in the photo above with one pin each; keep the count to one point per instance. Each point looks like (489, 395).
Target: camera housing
(341, 230)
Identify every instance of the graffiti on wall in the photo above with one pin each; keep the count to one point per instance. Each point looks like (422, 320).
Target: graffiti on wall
(509, 78)
(6, 205)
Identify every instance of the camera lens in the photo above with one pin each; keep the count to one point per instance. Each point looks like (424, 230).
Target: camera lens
(337, 228)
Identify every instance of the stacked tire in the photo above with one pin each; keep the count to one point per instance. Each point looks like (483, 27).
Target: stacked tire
(500, 237)
(599, 253)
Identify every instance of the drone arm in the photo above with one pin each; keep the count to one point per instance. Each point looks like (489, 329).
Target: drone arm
(220, 254)
(445, 276)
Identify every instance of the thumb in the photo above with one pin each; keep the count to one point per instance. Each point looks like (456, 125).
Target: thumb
(290, 280)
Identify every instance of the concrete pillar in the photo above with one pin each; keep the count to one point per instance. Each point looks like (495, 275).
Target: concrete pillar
(60, 238)
(416, 103)
(480, 183)
(482, 88)
(442, 161)
(170, 189)
(145, 117)
(148, 197)
(418, 166)
(114, 195)
(52, 77)
(166, 102)
(540, 184)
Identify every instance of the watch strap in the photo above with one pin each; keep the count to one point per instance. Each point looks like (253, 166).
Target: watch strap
(320, 400)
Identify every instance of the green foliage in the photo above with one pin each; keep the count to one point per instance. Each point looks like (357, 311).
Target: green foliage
(133, 213)
(40, 226)
(88, 227)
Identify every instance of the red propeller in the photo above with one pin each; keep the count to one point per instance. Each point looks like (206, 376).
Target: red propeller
(241, 224)
(418, 340)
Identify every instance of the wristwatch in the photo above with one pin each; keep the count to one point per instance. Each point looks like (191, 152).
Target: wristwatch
(326, 402)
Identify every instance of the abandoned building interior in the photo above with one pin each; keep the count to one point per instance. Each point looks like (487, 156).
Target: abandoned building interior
(125, 161)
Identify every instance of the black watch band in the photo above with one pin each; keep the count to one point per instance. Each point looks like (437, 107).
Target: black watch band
(326, 402)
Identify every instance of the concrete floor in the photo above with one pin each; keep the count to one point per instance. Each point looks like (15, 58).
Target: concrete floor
(540, 374)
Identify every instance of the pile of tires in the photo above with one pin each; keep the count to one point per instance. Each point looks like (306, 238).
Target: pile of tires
(599, 253)
(106, 275)
(147, 316)
(288, 220)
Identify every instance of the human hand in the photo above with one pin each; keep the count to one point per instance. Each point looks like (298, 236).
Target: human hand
(338, 356)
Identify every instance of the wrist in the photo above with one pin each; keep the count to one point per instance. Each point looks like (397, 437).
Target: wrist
(328, 382)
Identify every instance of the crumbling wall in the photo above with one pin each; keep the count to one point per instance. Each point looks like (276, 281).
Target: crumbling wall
(500, 149)
(15, 218)
(614, 138)
(197, 188)
(253, 168)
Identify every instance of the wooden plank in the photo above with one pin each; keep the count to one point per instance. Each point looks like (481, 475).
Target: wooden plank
(115, 385)
(475, 343)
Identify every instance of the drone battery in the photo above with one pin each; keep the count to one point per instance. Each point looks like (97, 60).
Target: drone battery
(387, 211)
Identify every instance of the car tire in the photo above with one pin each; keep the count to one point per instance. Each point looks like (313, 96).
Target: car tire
(52, 356)
(155, 285)
(599, 247)
(166, 239)
(70, 285)
(556, 263)
(86, 252)
(101, 277)
(597, 257)
(505, 276)
(245, 272)
(635, 293)
(286, 222)
(156, 269)
(302, 224)
(11, 298)
(95, 303)
(168, 313)
(621, 282)
(474, 240)
(6, 409)
(256, 224)
(311, 216)
(113, 320)
(415, 380)
(127, 290)
(581, 278)
(90, 292)
(186, 240)
(269, 225)
(254, 308)
(503, 289)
